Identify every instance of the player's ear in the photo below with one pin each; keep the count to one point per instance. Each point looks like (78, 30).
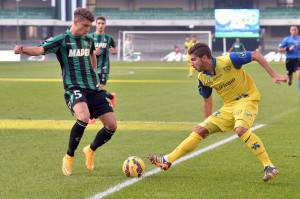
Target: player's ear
(75, 20)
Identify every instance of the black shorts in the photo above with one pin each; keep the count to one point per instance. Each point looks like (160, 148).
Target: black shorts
(292, 65)
(103, 77)
(95, 99)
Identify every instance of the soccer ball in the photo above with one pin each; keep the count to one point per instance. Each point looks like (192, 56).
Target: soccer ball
(133, 167)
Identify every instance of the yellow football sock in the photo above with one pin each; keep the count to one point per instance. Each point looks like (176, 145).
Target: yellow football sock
(257, 147)
(189, 144)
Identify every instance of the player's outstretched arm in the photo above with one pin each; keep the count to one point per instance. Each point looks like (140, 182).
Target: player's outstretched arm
(258, 57)
(207, 106)
(32, 51)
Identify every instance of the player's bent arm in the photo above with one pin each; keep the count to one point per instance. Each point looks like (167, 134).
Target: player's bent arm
(282, 50)
(32, 51)
(258, 57)
(207, 106)
(113, 50)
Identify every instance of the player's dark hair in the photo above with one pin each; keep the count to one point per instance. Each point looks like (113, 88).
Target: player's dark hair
(200, 49)
(101, 18)
(83, 13)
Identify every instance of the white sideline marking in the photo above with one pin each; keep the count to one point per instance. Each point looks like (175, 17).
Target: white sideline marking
(129, 182)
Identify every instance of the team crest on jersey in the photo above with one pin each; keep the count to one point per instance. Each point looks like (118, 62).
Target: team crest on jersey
(227, 68)
(86, 44)
(242, 54)
(208, 80)
(216, 114)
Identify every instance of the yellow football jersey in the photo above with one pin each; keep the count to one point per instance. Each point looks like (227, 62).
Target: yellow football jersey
(189, 44)
(229, 79)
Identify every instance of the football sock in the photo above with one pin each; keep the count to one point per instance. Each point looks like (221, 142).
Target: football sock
(299, 87)
(189, 144)
(75, 136)
(101, 138)
(257, 147)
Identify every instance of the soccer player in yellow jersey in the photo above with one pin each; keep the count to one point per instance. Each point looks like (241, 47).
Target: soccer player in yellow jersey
(240, 96)
(189, 43)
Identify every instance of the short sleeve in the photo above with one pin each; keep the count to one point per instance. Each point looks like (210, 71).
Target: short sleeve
(238, 59)
(52, 44)
(283, 43)
(92, 46)
(112, 42)
(204, 91)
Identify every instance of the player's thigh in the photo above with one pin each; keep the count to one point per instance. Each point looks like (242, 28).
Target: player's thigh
(77, 103)
(109, 120)
(298, 73)
(220, 121)
(81, 111)
(98, 104)
(297, 69)
(245, 112)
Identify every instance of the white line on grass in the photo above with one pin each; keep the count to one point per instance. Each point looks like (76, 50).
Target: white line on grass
(129, 182)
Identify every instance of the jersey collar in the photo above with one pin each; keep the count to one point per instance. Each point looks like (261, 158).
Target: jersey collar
(68, 32)
(214, 63)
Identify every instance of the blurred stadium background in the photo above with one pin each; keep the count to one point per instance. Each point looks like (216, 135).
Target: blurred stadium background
(31, 21)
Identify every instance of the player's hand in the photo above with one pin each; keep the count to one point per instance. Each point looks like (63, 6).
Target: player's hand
(278, 79)
(101, 86)
(18, 49)
(292, 47)
(97, 51)
(112, 50)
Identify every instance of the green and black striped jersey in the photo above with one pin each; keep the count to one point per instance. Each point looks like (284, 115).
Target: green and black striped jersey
(74, 55)
(104, 42)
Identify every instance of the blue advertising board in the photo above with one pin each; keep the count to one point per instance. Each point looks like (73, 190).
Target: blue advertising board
(237, 23)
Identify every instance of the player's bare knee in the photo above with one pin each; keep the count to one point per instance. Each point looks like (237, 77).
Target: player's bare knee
(83, 116)
(240, 131)
(203, 132)
(112, 126)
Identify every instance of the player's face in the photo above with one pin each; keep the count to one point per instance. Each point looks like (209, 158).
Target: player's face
(199, 63)
(83, 26)
(100, 25)
(294, 31)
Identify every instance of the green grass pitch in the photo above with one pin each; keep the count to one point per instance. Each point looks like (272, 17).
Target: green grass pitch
(157, 107)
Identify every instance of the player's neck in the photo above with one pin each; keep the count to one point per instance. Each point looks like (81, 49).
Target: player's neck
(74, 32)
(100, 32)
(210, 68)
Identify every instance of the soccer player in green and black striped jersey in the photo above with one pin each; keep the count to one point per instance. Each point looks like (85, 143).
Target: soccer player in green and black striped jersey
(106, 44)
(75, 52)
